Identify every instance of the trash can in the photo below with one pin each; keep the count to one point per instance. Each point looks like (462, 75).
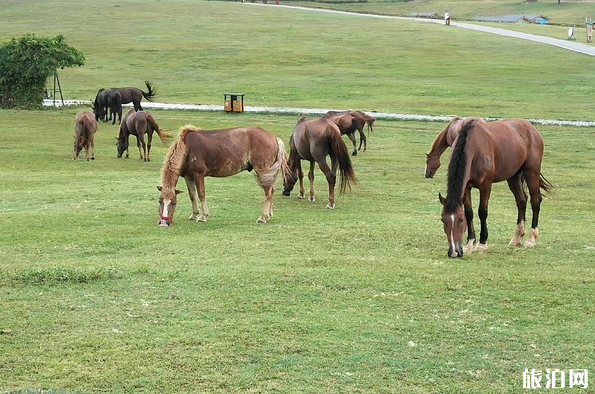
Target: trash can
(233, 102)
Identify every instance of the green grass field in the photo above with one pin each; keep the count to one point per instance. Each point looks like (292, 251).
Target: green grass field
(95, 297)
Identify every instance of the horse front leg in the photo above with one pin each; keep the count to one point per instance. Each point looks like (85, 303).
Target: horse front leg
(193, 194)
(484, 198)
(468, 208)
(199, 179)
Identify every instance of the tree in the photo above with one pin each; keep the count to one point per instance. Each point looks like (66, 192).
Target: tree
(25, 65)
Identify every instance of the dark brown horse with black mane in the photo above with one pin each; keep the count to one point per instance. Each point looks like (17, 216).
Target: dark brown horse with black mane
(139, 124)
(350, 121)
(444, 140)
(219, 153)
(314, 140)
(85, 127)
(509, 150)
(109, 101)
(135, 95)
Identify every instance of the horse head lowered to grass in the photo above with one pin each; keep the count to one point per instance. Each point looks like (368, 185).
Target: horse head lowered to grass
(314, 140)
(219, 153)
(485, 153)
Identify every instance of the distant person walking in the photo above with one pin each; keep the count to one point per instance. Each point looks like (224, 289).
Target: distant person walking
(447, 18)
(589, 29)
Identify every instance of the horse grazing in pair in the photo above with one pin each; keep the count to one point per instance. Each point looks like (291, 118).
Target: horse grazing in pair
(350, 121)
(108, 101)
(112, 100)
(139, 124)
(314, 140)
(219, 153)
(85, 127)
(485, 153)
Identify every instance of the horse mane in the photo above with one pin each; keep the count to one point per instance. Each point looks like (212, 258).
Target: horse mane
(174, 160)
(457, 169)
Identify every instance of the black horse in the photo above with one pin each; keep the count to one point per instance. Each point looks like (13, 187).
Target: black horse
(108, 99)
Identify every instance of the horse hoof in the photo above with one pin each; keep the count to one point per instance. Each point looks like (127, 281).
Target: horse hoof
(514, 243)
(330, 206)
(261, 221)
(354, 153)
(481, 248)
(529, 244)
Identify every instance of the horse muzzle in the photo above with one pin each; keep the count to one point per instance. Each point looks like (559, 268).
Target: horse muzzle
(286, 192)
(458, 252)
(166, 221)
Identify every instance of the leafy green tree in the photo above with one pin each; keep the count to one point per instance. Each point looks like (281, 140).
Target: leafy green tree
(25, 65)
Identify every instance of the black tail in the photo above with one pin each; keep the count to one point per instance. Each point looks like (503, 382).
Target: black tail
(152, 91)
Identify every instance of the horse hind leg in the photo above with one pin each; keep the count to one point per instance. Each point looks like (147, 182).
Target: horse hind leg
(267, 210)
(331, 178)
(515, 185)
(311, 178)
(354, 142)
(532, 179)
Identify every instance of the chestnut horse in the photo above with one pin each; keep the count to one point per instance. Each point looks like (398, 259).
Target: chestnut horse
(85, 127)
(442, 142)
(219, 153)
(350, 121)
(314, 140)
(508, 150)
(139, 124)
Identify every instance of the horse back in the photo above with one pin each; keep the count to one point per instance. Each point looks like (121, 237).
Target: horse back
(226, 152)
(85, 125)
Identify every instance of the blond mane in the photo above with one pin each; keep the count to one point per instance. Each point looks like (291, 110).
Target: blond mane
(174, 160)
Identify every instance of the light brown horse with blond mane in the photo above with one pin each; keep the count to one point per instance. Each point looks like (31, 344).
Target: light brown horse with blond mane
(219, 153)
(485, 153)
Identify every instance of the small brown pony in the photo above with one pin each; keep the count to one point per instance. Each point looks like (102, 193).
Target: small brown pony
(350, 121)
(445, 139)
(314, 140)
(85, 127)
(139, 124)
(508, 150)
(219, 153)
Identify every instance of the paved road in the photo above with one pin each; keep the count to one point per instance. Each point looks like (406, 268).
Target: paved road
(565, 44)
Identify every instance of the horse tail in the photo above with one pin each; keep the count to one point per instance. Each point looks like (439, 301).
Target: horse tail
(163, 135)
(545, 185)
(152, 91)
(338, 151)
(268, 177)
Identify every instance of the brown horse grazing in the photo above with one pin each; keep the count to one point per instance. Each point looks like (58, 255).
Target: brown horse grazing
(350, 121)
(219, 153)
(314, 140)
(443, 141)
(139, 124)
(135, 95)
(509, 150)
(85, 127)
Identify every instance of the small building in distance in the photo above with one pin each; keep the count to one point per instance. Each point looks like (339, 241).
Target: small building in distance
(531, 18)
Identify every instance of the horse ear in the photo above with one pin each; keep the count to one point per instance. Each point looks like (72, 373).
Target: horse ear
(442, 199)
(159, 188)
(178, 192)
